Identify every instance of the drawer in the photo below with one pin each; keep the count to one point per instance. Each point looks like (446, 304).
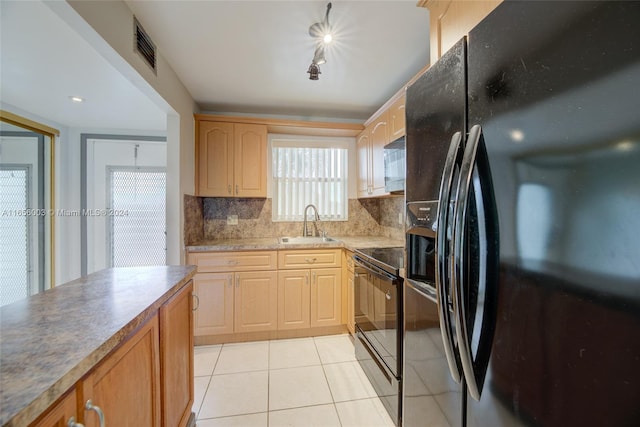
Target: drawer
(214, 262)
(310, 258)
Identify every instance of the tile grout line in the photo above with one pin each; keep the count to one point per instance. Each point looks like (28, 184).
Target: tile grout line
(333, 400)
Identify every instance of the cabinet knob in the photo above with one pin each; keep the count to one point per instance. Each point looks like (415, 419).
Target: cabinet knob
(89, 406)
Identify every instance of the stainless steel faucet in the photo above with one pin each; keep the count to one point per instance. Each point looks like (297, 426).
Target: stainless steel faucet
(316, 218)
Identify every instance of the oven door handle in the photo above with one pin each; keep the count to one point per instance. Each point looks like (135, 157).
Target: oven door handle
(378, 272)
(443, 258)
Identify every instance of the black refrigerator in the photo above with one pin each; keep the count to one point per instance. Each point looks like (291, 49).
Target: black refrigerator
(522, 297)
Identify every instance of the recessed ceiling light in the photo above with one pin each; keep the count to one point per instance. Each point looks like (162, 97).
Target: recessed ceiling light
(76, 99)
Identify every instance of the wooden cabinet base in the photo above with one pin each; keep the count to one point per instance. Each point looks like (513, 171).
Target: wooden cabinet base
(269, 335)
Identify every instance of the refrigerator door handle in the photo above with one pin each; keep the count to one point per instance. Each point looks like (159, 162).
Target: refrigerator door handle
(475, 177)
(442, 257)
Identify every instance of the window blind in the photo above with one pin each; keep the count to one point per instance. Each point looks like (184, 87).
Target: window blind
(309, 175)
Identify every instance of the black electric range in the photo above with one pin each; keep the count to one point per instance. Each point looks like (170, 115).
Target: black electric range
(390, 260)
(378, 313)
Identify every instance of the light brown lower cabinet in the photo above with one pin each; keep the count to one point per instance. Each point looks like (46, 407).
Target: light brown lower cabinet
(256, 301)
(62, 414)
(146, 381)
(309, 298)
(214, 313)
(126, 386)
(176, 363)
(350, 300)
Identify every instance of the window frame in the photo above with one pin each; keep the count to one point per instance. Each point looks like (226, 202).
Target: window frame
(299, 141)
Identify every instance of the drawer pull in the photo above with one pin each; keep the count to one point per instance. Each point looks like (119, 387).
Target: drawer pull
(89, 406)
(72, 423)
(310, 260)
(196, 302)
(232, 262)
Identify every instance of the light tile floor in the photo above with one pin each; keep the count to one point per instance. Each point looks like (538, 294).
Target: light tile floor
(297, 382)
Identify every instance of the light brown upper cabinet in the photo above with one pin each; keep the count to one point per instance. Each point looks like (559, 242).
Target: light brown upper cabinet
(450, 20)
(231, 159)
(363, 148)
(370, 147)
(397, 119)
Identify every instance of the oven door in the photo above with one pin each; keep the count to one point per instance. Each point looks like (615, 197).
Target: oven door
(377, 311)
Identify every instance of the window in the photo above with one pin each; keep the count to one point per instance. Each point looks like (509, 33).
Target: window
(309, 175)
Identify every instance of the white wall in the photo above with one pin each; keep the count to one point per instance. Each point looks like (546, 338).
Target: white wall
(108, 27)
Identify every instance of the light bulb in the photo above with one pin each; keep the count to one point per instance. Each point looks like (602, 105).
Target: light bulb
(327, 38)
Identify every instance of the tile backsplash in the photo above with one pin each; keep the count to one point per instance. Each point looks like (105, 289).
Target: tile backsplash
(206, 219)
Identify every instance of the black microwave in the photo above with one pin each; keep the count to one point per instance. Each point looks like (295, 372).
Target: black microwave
(394, 166)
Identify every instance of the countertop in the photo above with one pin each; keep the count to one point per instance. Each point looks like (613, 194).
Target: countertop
(49, 341)
(271, 243)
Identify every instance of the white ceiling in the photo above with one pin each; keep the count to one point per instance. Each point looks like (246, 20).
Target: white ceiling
(232, 56)
(44, 61)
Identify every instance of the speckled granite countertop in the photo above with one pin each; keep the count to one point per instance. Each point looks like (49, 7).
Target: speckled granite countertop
(271, 243)
(49, 341)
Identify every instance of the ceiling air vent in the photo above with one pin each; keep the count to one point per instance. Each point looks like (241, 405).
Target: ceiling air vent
(144, 45)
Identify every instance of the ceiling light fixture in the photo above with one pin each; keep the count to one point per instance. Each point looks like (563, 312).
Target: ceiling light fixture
(76, 99)
(321, 31)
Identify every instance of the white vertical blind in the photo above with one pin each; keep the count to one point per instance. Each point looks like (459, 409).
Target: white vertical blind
(309, 175)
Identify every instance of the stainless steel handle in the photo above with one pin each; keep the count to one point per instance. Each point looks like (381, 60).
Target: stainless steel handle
(237, 189)
(72, 423)
(229, 188)
(475, 163)
(443, 264)
(197, 302)
(89, 406)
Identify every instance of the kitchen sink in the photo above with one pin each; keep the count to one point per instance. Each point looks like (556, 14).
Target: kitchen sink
(305, 239)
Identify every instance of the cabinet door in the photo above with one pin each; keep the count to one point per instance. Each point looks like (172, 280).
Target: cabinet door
(215, 159)
(451, 19)
(397, 119)
(256, 301)
(379, 138)
(60, 414)
(126, 384)
(214, 314)
(326, 297)
(351, 324)
(250, 167)
(176, 358)
(293, 299)
(363, 148)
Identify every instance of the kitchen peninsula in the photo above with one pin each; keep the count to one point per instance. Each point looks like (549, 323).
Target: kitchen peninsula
(121, 337)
